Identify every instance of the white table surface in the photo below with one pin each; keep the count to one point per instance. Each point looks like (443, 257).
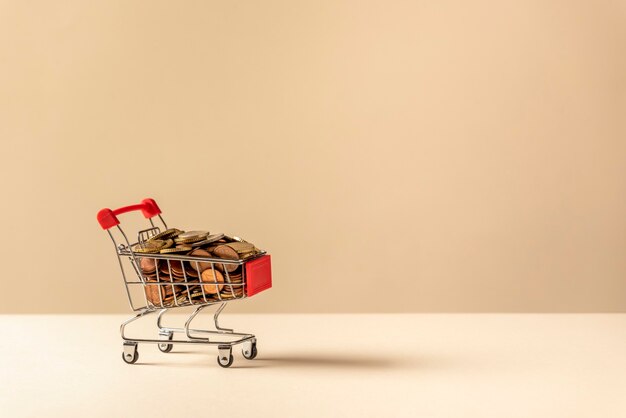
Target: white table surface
(390, 365)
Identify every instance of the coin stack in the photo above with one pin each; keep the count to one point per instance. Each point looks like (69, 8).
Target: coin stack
(202, 281)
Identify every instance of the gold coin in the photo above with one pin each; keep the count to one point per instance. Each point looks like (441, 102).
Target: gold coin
(168, 243)
(187, 241)
(177, 249)
(247, 255)
(168, 233)
(148, 246)
(236, 288)
(208, 240)
(175, 234)
(196, 294)
(191, 236)
(145, 250)
(180, 300)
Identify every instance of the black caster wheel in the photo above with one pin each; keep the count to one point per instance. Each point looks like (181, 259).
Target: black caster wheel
(166, 348)
(249, 353)
(130, 359)
(225, 361)
(166, 336)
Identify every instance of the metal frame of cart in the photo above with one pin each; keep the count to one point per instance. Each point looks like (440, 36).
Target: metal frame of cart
(223, 338)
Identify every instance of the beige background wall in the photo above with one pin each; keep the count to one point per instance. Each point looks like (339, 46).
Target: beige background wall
(392, 155)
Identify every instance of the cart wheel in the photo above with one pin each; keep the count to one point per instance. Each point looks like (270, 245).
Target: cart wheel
(225, 362)
(225, 355)
(251, 352)
(166, 348)
(130, 359)
(166, 335)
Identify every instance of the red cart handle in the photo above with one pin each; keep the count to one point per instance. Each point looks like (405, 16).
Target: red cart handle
(108, 218)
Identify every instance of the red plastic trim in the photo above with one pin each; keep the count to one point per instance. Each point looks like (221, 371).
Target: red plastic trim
(107, 218)
(258, 275)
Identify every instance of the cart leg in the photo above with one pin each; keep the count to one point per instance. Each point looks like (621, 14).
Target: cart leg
(225, 355)
(134, 318)
(216, 318)
(188, 322)
(161, 313)
(130, 353)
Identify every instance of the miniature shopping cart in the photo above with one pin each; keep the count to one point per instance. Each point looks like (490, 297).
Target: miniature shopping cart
(254, 275)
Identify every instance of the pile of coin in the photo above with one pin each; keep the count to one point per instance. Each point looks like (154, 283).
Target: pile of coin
(179, 283)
